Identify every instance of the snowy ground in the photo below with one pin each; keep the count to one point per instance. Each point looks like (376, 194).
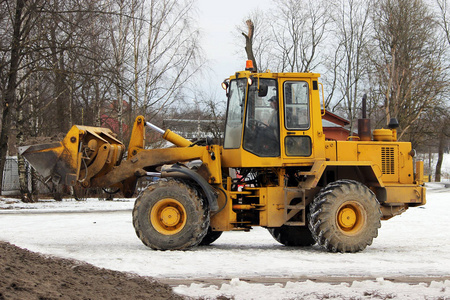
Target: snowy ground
(410, 259)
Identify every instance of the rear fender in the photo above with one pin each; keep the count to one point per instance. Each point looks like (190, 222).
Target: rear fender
(363, 172)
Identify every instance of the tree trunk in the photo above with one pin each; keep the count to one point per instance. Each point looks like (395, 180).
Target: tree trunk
(249, 44)
(21, 166)
(10, 93)
(429, 165)
(437, 175)
(97, 106)
(60, 90)
(34, 184)
(25, 194)
(120, 113)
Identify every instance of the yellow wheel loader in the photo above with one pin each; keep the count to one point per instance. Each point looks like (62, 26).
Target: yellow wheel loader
(277, 168)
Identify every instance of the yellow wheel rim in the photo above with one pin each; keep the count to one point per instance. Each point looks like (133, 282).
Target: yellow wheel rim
(350, 217)
(168, 216)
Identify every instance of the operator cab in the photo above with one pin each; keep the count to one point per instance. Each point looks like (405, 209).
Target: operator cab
(270, 119)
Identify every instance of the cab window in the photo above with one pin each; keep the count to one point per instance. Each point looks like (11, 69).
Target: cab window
(262, 125)
(296, 105)
(235, 113)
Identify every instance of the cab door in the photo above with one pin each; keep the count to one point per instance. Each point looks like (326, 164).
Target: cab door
(302, 123)
(297, 120)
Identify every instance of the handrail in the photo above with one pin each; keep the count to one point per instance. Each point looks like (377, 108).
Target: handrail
(323, 100)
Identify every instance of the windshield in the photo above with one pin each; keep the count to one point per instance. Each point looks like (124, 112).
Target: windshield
(235, 113)
(262, 129)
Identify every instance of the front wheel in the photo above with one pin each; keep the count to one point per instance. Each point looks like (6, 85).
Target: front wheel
(170, 215)
(344, 217)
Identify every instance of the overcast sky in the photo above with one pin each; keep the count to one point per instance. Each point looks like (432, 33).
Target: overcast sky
(218, 20)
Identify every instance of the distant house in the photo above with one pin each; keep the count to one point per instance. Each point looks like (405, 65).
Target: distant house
(193, 129)
(109, 117)
(333, 127)
(113, 124)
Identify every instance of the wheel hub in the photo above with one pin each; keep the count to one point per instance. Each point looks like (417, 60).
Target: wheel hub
(168, 216)
(347, 218)
(350, 217)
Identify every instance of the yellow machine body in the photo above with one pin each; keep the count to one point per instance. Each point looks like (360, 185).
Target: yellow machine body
(385, 165)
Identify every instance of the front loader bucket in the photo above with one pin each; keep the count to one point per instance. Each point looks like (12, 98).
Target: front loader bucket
(84, 153)
(52, 160)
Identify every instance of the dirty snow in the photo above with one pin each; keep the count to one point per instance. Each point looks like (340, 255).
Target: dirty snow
(410, 259)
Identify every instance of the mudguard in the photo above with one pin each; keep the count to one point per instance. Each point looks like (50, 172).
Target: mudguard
(177, 171)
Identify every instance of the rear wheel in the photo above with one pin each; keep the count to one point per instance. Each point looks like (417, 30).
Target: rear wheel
(170, 215)
(297, 236)
(345, 217)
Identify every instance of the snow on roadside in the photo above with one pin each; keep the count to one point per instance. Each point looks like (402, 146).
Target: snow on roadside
(12, 205)
(379, 289)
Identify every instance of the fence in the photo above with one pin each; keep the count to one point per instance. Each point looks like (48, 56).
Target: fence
(10, 186)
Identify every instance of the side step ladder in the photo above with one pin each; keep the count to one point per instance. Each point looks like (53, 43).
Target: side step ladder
(294, 211)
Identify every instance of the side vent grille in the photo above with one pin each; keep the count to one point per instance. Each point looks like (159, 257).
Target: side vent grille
(388, 160)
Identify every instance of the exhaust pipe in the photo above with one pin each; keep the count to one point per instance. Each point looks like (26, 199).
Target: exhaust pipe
(364, 130)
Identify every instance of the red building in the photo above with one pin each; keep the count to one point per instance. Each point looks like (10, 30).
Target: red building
(333, 127)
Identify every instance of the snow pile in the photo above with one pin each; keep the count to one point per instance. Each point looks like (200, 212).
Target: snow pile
(379, 289)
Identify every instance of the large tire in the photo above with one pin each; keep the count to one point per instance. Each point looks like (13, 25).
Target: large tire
(210, 237)
(170, 215)
(344, 217)
(294, 236)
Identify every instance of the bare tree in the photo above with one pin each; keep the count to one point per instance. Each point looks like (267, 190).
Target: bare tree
(84, 58)
(94, 78)
(443, 139)
(444, 10)
(69, 54)
(120, 27)
(171, 55)
(156, 53)
(21, 23)
(5, 43)
(408, 60)
(298, 30)
(443, 117)
(352, 33)
(214, 110)
(260, 38)
(138, 27)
